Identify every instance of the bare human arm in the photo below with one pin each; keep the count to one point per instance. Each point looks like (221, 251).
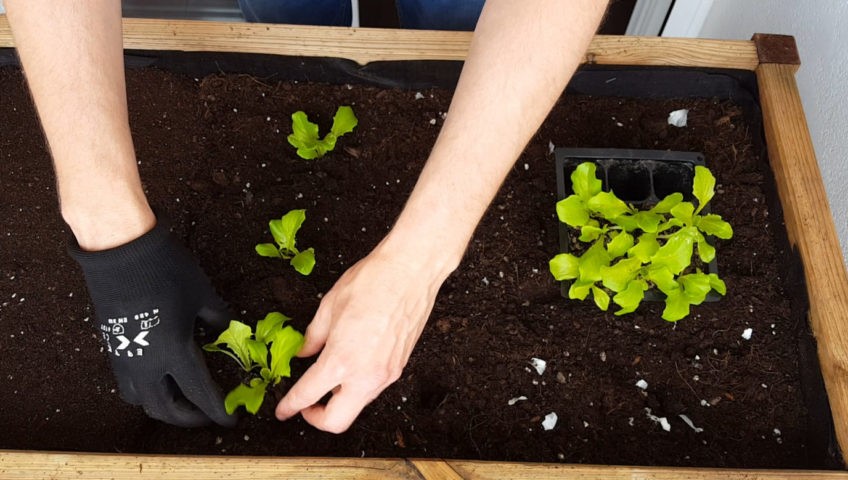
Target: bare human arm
(73, 56)
(521, 57)
(147, 289)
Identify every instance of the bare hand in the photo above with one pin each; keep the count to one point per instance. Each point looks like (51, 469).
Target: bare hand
(369, 321)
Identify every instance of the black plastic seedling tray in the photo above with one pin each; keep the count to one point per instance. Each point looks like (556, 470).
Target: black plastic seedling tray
(639, 177)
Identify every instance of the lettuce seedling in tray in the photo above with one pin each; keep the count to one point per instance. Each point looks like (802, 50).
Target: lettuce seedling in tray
(630, 250)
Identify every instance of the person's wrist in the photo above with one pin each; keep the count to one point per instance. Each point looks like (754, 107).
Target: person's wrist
(422, 253)
(100, 225)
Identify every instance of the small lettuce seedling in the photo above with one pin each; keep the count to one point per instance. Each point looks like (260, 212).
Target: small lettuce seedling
(304, 135)
(633, 250)
(269, 349)
(284, 231)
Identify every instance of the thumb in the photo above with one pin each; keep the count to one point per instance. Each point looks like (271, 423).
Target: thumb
(214, 314)
(317, 331)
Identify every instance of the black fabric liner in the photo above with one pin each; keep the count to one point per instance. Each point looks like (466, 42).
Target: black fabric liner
(739, 86)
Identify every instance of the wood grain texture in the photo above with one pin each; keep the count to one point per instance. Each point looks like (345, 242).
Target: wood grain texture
(364, 45)
(539, 471)
(435, 469)
(59, 466)
(810, 226)
(776, 49)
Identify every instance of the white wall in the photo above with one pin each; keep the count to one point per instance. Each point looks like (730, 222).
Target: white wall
(820, 30)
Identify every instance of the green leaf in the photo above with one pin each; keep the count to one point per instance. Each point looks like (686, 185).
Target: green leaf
(235, 338)
(265, 327)
(325, 145)
(717, 284)
(630, 298)
(265, 373)
(671, 223)
(618, 276)
(284, 346)
(676, 306)
(285, 229)
(601, 298)
(645, 248)
(250, 397)
(703, 187)
(268, 250)
(211, 347)
(590, 232)
(584, 181)
(706, 252)
(713, 225)
(572, 211)
(258, 352)
(310, 153)
(304, 137)
(663, 279)
(592, 261)
(564, 266)
(648, 221)
(304, 261)
(580, 289)
(620, 244)
(696, 286)
(676, 254)
(304, 133)
(343, 121)
(667, 203)
(627, 222)
(683, 211)
(607, 204)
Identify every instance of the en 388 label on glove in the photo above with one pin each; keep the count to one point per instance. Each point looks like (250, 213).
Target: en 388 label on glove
(125, 336)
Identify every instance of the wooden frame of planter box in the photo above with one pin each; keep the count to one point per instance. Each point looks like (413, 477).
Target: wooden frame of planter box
(808, 219)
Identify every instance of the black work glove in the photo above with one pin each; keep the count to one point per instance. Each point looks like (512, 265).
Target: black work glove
(147, 295)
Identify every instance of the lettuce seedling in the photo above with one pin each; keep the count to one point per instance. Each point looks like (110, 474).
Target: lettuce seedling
(304, 135)
(633, 250)
(265, 353)
(284, 231)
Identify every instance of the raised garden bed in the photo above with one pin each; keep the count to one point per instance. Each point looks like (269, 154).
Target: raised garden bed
(212, 156)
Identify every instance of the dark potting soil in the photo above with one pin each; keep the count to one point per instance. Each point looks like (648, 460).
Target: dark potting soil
(213, 154)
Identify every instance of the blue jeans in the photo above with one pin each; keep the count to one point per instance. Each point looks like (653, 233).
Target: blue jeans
(418, 14)
(298, 12)
(439, 14)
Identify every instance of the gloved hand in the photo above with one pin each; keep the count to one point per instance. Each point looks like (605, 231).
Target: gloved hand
(147, 294)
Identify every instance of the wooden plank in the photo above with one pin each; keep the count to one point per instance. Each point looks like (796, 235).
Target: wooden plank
(435, 469)
(365, 45)
(539, 471)
(810, 226)
(674, 52)
(59, 466)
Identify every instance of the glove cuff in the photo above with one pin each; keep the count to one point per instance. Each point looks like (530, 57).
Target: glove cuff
(140, 265)
(133, 252)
